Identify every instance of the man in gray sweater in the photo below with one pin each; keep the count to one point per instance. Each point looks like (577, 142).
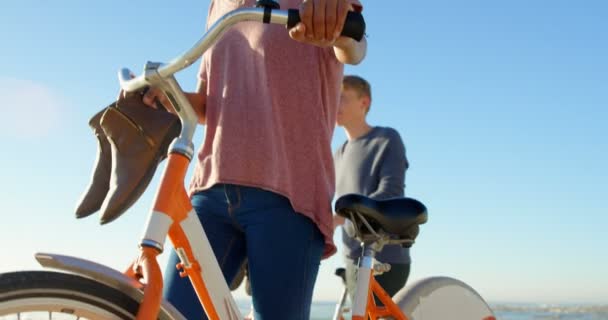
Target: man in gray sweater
(371, 162)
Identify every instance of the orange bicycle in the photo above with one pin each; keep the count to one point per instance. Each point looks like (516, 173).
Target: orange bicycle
(83, 289)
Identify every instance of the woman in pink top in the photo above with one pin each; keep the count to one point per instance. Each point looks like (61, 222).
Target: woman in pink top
(264, 179)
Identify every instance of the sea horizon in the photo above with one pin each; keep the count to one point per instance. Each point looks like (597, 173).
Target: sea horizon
(323, 310)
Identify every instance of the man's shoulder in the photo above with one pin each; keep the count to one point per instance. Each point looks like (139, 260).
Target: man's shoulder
(387, 130)
(388, 133)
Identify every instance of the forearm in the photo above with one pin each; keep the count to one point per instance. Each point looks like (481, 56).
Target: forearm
(393, 166)
(349, 51)
(392, 181)
(388, 188)
(198, 101)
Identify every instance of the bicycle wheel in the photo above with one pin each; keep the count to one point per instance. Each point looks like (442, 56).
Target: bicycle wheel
(439, 298)
(54, 295)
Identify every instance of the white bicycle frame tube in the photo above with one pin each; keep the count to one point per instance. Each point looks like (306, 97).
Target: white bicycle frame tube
(155, 233)
(218, 290)
(361, 293)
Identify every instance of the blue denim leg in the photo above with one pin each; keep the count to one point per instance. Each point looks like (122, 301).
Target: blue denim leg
(284, 251)
(283, 247)
(227, 241)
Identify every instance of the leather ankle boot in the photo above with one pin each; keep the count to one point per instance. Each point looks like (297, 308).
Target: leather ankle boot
(98, 187)
(139, 137)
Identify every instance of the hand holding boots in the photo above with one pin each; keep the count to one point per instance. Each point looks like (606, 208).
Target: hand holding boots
(132, 140)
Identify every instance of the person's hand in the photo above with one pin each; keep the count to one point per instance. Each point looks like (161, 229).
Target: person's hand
(156, 99)
(338, 220)
(321, 22)
(152, 97)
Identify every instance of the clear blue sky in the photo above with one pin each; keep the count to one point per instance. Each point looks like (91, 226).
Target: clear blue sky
(502, 106)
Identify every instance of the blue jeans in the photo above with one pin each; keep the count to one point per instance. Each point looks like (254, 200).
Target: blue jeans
(283, 249)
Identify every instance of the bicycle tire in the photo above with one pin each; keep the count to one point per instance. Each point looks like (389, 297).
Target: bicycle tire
(437, 298)
(35, 293)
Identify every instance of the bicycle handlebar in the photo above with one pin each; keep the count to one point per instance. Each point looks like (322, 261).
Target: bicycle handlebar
(354, 27)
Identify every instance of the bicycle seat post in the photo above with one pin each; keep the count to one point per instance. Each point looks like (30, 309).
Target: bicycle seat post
(367, 255)
(369, 249)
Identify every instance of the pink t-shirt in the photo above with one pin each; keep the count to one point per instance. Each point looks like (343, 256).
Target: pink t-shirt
(271, 111)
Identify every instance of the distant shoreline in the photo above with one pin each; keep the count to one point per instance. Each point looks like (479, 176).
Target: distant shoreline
(505, 304)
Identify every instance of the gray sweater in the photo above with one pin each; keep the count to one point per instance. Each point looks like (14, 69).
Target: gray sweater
(373, 165)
